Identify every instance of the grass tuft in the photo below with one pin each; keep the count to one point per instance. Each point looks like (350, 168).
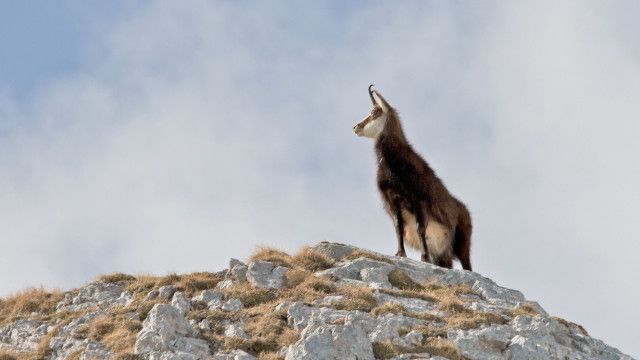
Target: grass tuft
(312, 260)
(389, 308)
(399, 279)
(525, 309)
(8, 356)
(273, 255)
(356, 298)
(367, 254)
(116, 278)
(28, 301)
(249, 295)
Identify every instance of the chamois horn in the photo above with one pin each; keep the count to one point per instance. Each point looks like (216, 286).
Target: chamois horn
(371, 95)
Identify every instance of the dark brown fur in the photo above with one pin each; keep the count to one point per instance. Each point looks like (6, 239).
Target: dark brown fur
(407, 184)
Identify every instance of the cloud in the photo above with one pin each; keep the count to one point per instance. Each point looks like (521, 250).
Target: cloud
(193, 133)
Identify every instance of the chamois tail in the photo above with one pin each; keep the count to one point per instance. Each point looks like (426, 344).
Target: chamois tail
(462, 239)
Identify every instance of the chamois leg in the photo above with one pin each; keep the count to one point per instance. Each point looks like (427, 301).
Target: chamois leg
(420, 219)
(399, 223)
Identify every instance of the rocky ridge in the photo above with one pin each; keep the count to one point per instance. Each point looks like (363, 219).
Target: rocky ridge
(329, 301)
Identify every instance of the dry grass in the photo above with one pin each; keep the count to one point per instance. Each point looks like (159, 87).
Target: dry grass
(395, 308)
(295, 277)
(367, 254)
(190, 284)
(270, 356)
(525, 309)
(43, 350)
(116, 278)
(28, 301)
(570, 325)
(402, 281)
(312, 260)
(100, 327)
(145, 307)
(430, 292)
(442, 347)
(8, 356)
(474, 320)
(433, 346)
(452, 306)
(117, 333)
(356, 298)
(75, 355)
(273, 255)
(415, 294)
(249, 295)
(128, 356)
(389, 308)
(432, 330)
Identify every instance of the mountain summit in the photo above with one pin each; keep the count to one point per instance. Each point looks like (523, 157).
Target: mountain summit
(329, 301)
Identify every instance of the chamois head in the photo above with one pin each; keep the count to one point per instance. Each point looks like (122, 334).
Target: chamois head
(373, 125)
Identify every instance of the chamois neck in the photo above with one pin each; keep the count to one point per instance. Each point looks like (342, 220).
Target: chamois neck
(392, 135)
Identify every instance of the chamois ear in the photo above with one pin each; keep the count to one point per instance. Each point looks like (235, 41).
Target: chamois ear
(381, 101)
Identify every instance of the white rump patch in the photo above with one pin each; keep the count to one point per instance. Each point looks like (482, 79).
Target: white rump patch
(439, 237)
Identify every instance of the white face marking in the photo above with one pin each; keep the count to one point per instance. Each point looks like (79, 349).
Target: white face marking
(374, 128)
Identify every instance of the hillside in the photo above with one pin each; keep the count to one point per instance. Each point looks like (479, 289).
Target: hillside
(329, 301)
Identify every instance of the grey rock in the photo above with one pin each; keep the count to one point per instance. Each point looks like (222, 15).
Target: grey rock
(181, 303)
(335, 251)
(423, 356)
(237, 270)
(66, 342)
(410, 304)
(166, 292)
(377, 278)
(213, 298)
(23, 335)
(96, 295)
(326, 333)
(232, 305)
(329, 300)
(224, 284)
(353, 270)
(233, 355)
(152, 295)
(321, 341)
(527, 337)
(265, 274)
(96, 351)
(235, 330)
(166, 330)
(388, 328)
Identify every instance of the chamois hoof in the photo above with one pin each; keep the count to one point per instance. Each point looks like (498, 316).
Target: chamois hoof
(401, 254)
(425, 257)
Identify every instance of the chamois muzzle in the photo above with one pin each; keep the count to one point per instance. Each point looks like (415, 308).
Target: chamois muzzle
(373, 101)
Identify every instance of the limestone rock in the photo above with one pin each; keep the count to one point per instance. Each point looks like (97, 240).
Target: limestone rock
(265, 274)
(232, 305)
(166, 330)
(97, 295)
(320, 341)
(233, 355)
(213, 298)
(166, 292)
(480, 320)
(181, 303)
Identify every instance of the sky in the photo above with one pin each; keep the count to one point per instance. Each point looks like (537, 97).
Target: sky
(161, 136)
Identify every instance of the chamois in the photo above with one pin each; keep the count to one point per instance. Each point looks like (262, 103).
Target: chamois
(424, 213)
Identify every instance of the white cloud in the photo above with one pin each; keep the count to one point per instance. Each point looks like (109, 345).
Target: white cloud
(197, 132)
